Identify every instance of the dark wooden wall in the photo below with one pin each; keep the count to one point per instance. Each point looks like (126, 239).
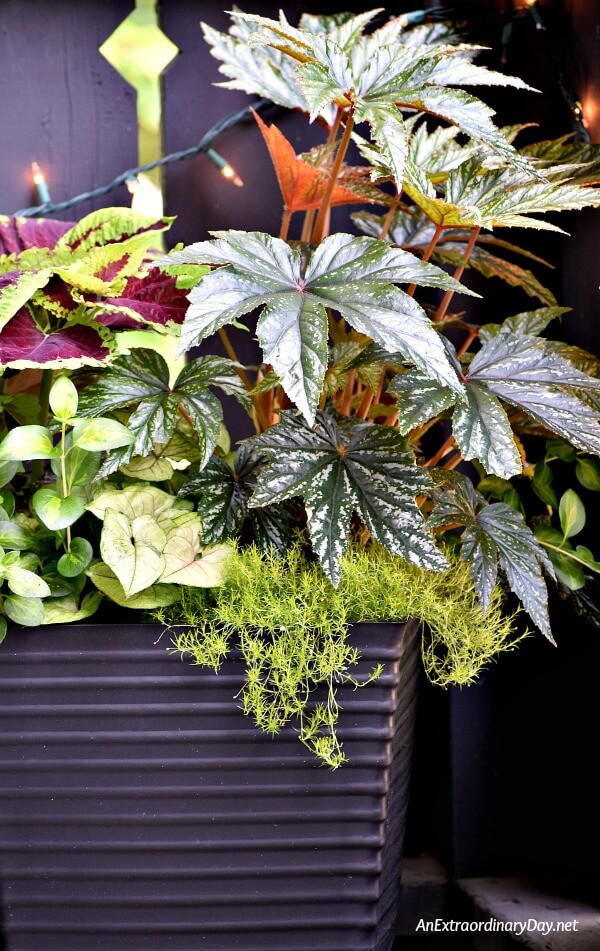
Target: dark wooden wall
(503, 777)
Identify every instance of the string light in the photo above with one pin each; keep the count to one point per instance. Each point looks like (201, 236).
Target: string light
(202, 147)
(146, 197)
(41, 185)
(226, 170)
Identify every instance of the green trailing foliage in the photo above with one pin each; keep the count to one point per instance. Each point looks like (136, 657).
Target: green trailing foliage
(292, 628)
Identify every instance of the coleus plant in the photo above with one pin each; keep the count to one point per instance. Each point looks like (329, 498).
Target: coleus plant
(364, 407)
(69, 295)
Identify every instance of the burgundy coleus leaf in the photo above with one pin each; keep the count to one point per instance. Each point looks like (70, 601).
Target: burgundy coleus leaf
(20, 234)
(23, 344)
(153, 299)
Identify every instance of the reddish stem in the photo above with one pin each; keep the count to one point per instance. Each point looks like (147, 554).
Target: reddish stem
(443, 308)
(428, 252)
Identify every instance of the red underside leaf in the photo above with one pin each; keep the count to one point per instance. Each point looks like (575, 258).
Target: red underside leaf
(302, 185)
(20, 234)
(155, 298)
(22, 345)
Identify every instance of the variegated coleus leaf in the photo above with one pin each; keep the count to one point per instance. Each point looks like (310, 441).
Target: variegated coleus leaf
(341, 468)
(154, 298)
(141, 380)
(24, 345)
(20, 234)
(495, 536)
(16, 288)
(521, 370)
(294, 286)
(111, 226)
(223, 491)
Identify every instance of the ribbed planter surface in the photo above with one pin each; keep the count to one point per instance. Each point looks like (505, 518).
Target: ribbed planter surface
(141, 811)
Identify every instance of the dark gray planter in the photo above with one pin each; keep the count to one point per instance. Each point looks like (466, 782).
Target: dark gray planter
(141, 811)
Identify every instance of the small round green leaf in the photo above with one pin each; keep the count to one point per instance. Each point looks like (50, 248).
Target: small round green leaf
(8, 471)
(64, 399)
(568, 571)
(588, 474)
(28, 442)
(73, 563)
(26, 583)
(54, 512)
(101, 434)
(571, 513)
(542, 484)
(3, 627)
(26, 611)
(14, 536)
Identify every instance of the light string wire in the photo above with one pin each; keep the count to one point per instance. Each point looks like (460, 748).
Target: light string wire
(202, 146)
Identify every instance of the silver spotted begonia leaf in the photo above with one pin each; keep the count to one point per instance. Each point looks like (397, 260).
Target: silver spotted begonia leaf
(341, 468)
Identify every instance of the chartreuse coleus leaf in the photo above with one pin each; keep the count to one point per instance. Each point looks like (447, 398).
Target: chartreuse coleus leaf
(342, 468)
(142, 379)
(521, 370)
(111, 226)
(495, 536)
(223, 491)
(294, 286)
(16, 288)
(377, 78)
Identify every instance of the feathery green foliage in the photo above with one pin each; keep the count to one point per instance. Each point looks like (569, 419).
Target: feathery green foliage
(291, 626)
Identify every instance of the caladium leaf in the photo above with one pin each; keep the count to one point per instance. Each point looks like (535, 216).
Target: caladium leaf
(16, 287)
(154, 298)
(68, 609)
(20, 234)
(355, 276)
(495, 536)
(142, 379)
(186, 562)
(338, 469)
(23, 344)
(302, 185)
(133, 550)
(137, 500)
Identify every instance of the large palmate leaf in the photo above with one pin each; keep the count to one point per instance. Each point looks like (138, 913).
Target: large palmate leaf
(563, 159)
(502, 197)
(142, 379)
(23, 345)
(223, 491)
(532, 322)
(377, 77)
(340, 469)
(495, 536)
(354, 276)
(414, 231)
(524, 371)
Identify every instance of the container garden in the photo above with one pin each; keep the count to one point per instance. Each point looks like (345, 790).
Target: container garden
(141, 810)
(403, 462)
